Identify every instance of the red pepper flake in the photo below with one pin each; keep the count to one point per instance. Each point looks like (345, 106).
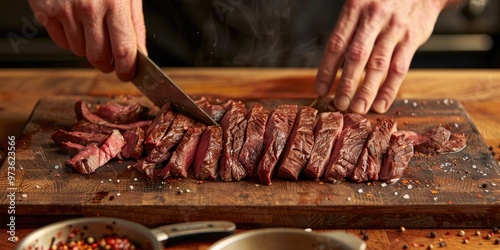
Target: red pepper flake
(479, 196)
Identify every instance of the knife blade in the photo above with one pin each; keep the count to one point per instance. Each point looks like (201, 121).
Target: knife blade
(159, 88)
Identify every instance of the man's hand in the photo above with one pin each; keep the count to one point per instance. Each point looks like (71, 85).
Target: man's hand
(107, 32)
(379, 37)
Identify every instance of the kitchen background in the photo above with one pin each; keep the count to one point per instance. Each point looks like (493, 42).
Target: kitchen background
(465, 37)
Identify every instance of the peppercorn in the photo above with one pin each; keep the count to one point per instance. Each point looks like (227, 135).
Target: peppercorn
(490, 147)
(495, 230)
(405, 246)
(485, 185)
(442, 244)
(497, 242)
(366, 236)
(488, 236)
(432, 234)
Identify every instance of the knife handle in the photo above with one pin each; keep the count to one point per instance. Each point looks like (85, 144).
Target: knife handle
(194, 230)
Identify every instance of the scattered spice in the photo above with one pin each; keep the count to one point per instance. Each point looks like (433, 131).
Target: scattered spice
(497, 242)
(405, 246)
(488, 236)
(485, 185)
(477, 233)
(490, 147)
(366, 236)
(461, 233)
(495, 230)
(402, 229)
(442, 244)
(432, 234)
(430, 246)
(465, 241)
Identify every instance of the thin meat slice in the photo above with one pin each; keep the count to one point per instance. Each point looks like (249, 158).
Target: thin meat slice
(348, 147)
(216, 111)
(82, 138)
(299, 145)
(326, 132)
(290, 110)
(397, 158)
(274, 142)
(88, 127)
(254, 138)
(71, 148)
(184, 154)
(208, 152)
(233, 126)
(92, 157)
(121, 113)
(163, 151)
(159, 127)
(368, 165)
(83, 113)
(438, 140)
(134, 147)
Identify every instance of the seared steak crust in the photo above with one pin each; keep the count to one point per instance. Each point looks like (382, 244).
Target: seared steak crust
(326, 132)
(299, 144)
(208, 152)
(397, 158)
(252, 148)
(233, 125)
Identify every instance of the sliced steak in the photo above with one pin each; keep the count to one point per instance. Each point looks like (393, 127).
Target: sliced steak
(216, 111)
(208, 152)
(121, 113)
(134, 147)
(290, 110)
(326, 132)
(88, 127)
(348, 147)
(438, 140)
(82, 138)
(299, 144)
(274, 142)
(368, 165)
(397, 158)
(184, 154)
(71, 148)
(92, 157)
(254, 138)
(233, 126)
(159, 127)
(163, 151)
(83, 113)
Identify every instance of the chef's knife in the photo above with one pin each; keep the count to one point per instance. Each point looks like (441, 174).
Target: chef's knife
(159, 88)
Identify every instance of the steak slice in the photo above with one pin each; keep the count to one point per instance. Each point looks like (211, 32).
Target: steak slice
(159, 127)
(83, 113)
(290, 110)
(348, 147)
(438, 140)
(82, 138)
(254, 138)
(87, 160)
(299, 145)
(183, 156)
(88, 127)
(216, 111)
(134, 147)
(208, 152)
(274, 142)
(166, 146)
(233, 126)
(71, 148)
(368, 165)
(326, 132)
(397, 158)
(121, 113)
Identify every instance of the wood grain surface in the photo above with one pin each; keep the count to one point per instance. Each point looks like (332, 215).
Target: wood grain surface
(477, 91)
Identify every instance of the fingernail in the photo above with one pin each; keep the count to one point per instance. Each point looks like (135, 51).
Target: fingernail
(358, 106)
(342, 103)
(380, 106)
(322, 89)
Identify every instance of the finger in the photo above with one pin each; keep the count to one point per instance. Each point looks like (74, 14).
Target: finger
(140, 26)
(399, 67)
(123, 41)
(336, 47)
(97, 42)
(73, 28)
(357, 55)
(376, 70)
(57, 34)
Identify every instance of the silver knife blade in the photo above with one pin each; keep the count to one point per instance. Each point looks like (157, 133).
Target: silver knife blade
(159, 88)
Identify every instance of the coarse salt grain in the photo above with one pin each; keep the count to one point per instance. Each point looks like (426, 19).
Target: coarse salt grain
(118, 194)
(406, 196)
(383, 184)
(38, 187)
(410, 186)
(360, 191)
(24, 195)
(131, 187)
(308, 230)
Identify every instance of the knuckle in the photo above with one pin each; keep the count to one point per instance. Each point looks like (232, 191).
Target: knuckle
(357, 52)
(376, 10)
(399, 68)
(123, 51)
(337, 44)
(348, 85)
(378, 63)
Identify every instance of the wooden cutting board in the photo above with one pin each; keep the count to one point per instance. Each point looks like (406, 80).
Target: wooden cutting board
(450, 190)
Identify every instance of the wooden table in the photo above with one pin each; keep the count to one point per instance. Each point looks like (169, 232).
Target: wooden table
(478, 90)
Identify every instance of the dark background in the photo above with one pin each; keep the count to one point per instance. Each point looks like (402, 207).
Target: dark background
(286, 33)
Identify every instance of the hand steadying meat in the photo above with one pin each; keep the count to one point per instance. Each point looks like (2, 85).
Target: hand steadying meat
(378, 37)
(107, 32)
